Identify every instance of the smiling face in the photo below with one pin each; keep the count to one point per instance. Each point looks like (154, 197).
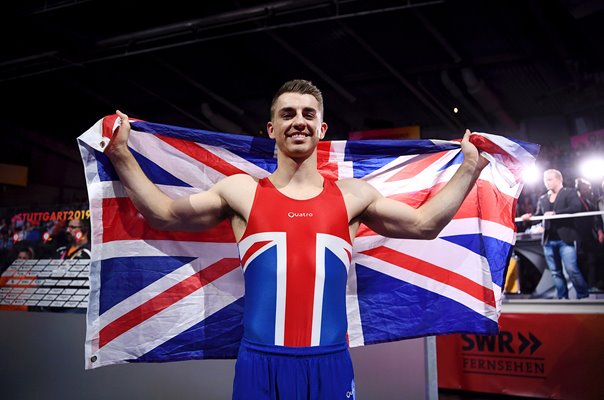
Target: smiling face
(297, 124)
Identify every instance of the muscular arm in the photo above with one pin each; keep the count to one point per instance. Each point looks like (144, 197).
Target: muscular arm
(197, 212)
(395, 219)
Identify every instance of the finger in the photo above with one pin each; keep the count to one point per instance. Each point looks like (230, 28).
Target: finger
(122, 116)
(124, 121)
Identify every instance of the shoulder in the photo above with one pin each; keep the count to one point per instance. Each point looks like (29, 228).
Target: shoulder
(356, 187)
(569, 192)
(237, 189)
(236, 183)
(352, 184)
(358, 195)
(238, 178)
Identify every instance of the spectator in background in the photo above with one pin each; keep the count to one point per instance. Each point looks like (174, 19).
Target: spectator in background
(601, 208)
(560, 235)
(600, 252)
(78, 244)
(26, 253)
(589, 229)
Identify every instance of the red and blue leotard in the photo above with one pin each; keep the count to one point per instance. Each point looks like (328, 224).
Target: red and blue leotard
(295, 256)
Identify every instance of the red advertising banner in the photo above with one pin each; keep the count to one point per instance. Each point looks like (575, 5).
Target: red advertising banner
(556, 356)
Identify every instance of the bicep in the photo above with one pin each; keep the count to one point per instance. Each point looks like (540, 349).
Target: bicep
(392, 218)
(199, 211)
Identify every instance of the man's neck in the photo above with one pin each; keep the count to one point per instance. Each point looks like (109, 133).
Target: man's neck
(297, 172)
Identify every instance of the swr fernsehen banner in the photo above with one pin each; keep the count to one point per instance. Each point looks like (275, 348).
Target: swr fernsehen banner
(553, 355)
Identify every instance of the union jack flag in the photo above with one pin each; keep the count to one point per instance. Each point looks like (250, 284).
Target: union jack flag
(160, 296)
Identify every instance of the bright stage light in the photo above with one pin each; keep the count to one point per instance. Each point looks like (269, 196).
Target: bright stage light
(592, 169)
(531, 174)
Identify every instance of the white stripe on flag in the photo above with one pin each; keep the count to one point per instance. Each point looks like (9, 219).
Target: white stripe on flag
(429, 284)
(170, 322)
(236, 161)
(115, 189)
(467, 226)
(438, 252)
(157, 287)
(151, 248)
(174, 161)
(514, 149)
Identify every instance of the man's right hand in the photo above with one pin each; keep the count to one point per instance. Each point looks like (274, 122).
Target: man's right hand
(119, 140)
(526, 217)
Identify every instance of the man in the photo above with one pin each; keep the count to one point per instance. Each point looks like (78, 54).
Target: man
(78, 245)
(291, 347)
(589, 229)
(601, 208)
(560, 235)
(600, 252)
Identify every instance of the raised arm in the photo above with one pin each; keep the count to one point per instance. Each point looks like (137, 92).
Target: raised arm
(197, 212)
(392, 218)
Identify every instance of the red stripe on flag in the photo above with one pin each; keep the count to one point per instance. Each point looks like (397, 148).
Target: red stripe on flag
(108, 123)
(484, 144)
(327, 168)
(416, 165)
(434, 272)
(122, 221)
(166, 299)
(202, 155)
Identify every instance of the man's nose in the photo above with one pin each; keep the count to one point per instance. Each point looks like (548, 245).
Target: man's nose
(299, 122)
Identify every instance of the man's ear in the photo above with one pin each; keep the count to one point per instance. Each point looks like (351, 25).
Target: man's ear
(323, 130)
(270, 129)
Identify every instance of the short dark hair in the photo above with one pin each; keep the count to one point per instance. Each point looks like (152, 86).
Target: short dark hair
(300, 86)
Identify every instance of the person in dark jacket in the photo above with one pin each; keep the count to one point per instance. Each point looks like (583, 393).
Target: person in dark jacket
(589, 228)
(560, 236)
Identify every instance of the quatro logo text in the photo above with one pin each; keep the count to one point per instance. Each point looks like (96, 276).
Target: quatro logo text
(292, 214)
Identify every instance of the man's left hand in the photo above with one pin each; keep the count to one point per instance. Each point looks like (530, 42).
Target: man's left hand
(471, 153)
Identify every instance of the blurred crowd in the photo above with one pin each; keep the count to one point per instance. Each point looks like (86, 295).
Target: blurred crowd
(53, 239)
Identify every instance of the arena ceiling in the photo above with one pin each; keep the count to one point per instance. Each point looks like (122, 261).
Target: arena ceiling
(215, 64)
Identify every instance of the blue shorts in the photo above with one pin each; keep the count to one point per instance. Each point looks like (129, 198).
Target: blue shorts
(293, 373)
